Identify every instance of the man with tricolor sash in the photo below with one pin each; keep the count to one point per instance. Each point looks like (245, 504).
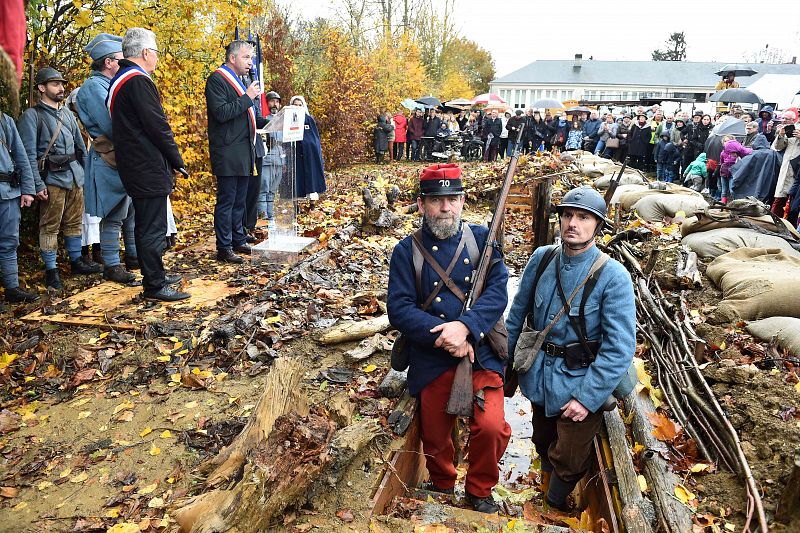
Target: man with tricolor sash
(147, 157)
(231, 140)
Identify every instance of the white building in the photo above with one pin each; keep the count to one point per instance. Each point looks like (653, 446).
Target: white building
(601, 82)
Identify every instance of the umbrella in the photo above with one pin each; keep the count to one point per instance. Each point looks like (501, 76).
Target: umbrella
(579, 109)
(408, 103)
(731, 126)
(736, 95)
(429, 101)
(459, 103)
(738, 70)
(547, 103)
(488, 98)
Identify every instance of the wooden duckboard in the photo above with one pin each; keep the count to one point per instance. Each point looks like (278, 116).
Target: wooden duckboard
(92, 307)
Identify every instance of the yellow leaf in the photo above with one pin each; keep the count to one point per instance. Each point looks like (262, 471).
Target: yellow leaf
(722, 346)
(65, 473)
(174, 339)
(511, 524)
(642, 483)
(124, 405)
(154, 450)
(695, 313)
(84, 414)
(178, 346)
(370, 368)
(683, 494)
(124, 527)
(699, 467)
(175, 378)
(797, 387)
(182, 352)
(730, 527)
(80, 478)
(148, 489)
(166, 434)
(273, 319)
(113, 512)
(103, 335)
(163, 358)
(6, 359)
(156, 503)
(20, 506)
(146, 431)
(43, 485)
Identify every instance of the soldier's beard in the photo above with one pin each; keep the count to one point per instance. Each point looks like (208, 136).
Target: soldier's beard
(442, 228)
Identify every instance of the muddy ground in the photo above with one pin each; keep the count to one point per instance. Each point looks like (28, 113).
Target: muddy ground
(82, 451)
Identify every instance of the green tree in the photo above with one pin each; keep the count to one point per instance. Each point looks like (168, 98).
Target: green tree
(470, 61)
(674, 48)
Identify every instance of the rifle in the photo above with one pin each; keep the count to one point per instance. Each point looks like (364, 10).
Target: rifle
(460, 401)
(612, 187)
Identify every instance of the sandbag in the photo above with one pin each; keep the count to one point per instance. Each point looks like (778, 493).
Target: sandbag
(624, 189)
(592, 170)
(628, 178)
(718, 218)
(657, 206)
(713, 243)
(756, 283)
(785, 330)
(658, 187)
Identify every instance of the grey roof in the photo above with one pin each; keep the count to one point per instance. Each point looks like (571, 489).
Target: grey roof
(638, 73)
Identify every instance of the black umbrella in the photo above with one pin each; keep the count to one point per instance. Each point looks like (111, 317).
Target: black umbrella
(736, 95)
(738, 70)
(429, 101)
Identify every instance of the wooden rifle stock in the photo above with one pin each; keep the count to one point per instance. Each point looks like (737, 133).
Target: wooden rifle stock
(460, 401)
(612, 186)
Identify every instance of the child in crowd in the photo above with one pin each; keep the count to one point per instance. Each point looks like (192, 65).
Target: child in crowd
(732, 150)
(575, 137)
(660, 156)
(696, 173)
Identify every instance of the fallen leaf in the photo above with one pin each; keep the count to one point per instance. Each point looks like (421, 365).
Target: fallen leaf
(20, 506)
(683, 494)
(156, 503)
(84, 414)
(190, 405)
(699, 467)
(64, 473)
(664, 429)
(80, 478)
(124, 405)
(146, 431)
(370, 368)
(9, 421)
(166, 434)
(148, 489)
(345, 515)
(154, 450)
(43, 485)
(125, 416)
(112, 513)
(124, 527)
(642, 482)
(9, 492)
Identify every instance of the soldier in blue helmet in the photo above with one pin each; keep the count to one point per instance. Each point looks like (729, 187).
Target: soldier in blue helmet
(586, 354)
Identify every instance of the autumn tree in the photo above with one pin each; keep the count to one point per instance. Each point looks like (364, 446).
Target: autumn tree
(473, 63)
(397, 71)
(674, 48)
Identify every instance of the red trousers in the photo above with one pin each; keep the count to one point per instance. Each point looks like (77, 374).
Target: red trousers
(489, 433)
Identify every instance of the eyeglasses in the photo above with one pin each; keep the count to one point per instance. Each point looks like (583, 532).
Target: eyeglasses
(153, 50)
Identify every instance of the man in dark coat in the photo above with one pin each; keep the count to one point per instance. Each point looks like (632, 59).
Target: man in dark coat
(440, 335)
(416, 129)
(147, 157)
(231, 142)
(639, 141)
(492, 129)
(432, 123)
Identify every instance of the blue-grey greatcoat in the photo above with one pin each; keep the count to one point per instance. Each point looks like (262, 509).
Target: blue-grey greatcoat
(69, 142)
(610, 317)
(103, 190)
(426, 362)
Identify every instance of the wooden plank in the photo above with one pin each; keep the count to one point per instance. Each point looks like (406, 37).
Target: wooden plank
(405, 469)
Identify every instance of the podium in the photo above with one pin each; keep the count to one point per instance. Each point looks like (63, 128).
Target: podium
(284, 243)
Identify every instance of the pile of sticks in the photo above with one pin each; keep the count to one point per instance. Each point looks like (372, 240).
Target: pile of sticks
(671, 347)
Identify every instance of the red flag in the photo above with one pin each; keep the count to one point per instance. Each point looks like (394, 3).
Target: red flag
(12, 38)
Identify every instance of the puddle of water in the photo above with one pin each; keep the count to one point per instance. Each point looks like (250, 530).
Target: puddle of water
(516, 462)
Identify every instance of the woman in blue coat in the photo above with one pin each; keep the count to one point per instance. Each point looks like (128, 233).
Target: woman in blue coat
(310, 168)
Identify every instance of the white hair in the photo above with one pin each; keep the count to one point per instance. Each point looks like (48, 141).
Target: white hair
(235, 46)
(136, 40)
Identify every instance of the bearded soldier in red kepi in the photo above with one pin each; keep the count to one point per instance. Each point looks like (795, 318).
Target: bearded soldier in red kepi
(426, 307)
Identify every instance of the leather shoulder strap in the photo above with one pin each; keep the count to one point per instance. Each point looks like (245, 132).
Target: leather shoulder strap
(53, 138)
(471, 244)
(444, 275)
(416, 257)
(543, 262)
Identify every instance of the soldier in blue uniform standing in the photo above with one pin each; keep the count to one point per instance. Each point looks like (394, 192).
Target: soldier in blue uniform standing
(440, 335)
(16, 190)
(587, 352)
(104, 195)
(55, 147)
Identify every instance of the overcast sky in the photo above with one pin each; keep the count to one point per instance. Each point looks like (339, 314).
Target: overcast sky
(518, 32)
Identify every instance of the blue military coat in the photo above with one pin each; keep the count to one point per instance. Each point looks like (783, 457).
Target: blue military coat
(17, 158)
(403, 305)
(103, 189)
(610, 315)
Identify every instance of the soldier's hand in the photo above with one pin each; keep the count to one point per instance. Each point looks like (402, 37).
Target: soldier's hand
(451, 335)
(25, 200)
(42, 195)
(574, 410)
(465, 350)
(254, 89)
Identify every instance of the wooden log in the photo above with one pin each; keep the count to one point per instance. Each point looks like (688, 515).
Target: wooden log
(282, 394)
(638, 513)
(672, 514)
(789, 505)
(393, 384)
(278, 474)
(686, 269)
(354, 331)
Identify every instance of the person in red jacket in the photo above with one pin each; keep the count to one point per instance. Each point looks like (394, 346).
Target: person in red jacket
(400, 127)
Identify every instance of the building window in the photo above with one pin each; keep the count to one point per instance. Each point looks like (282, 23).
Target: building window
(569, 94)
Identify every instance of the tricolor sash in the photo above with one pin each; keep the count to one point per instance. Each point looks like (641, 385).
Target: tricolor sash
(119, 80)
(235, 82)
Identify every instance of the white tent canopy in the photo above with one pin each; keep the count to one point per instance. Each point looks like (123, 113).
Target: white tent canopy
(777, 88)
